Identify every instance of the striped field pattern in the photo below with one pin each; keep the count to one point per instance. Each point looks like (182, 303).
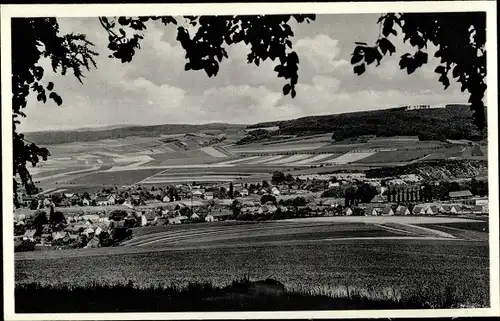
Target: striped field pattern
(313, 160)
(349, 158)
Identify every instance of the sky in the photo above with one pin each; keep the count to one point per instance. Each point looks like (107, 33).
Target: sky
(155, 89)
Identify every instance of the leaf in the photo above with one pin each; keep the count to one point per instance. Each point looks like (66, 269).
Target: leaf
(41, 97)
(386, 45)
(50, 86)
(294, 93)
(56, 98)
(356, 58)
(38, 72)
(286, 89)
(361, 43)
(123, 21)
(440, 70)
(387, 28)
(456, 71)
(359, 69)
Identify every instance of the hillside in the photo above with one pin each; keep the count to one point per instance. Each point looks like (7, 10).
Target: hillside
(435, 170)
(90, 135)
(452, 122)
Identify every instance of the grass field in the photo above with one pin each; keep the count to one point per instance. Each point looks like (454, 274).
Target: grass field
(319, 256)
(321, 266)
(116, 177)
(396, 156)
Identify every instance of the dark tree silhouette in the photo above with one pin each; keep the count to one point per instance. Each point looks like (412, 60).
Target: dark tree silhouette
(460, 40)
(231, 190)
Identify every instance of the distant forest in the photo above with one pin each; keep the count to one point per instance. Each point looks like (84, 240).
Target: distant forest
(61, 137)
(452, 122)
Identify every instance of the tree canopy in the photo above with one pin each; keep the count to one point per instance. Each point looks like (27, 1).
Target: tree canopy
(459, 37)
(460, 41)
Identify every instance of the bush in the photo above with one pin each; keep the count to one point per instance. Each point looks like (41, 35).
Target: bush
(24, 246)
(120, 234)
(117, 215)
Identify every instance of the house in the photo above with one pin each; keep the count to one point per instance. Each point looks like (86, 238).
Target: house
(198, 193)
(209, 218)
(194, 216)
(98, 231)
(333, 184)
(419, 210)
(85, 202)
(244, 192)
(144, 220)
(445, 209)
(432, 210)
(209, 195)
(222, 214)
(455, 209)
(347, 211)
(166, 199)
(29, 235)
(372, 211)
(93, 243)
(93, 218)
(478, 209)
(104, 200)
(387, 211)
(460, 195)
(378, 199)
(89, 231)
(481, 201)
(46, 238)
(275, 191)
(402, 210)
(58, 235)
(69, 195)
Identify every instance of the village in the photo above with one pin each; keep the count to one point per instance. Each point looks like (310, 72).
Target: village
(108, 217)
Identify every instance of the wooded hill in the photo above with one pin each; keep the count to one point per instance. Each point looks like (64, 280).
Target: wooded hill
(69, 136)
(452, 122)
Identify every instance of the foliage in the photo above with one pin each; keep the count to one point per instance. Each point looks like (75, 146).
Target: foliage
(68, 136)
(255, 136)
(56, 217)
(236, 207)
(298, 201)
(230, 193)
(336, 192)
(434, 170)
(460, 40)
(24, 246)
(35, 39)
(268, 198)
(452, 122)
(39, 219)
(280, 177)
(120, 234)
(366, 192)
(117, 215)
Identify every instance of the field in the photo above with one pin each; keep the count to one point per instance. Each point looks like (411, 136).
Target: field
(183, 158)
(322, 256)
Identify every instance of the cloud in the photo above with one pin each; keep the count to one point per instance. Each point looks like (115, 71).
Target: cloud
(154, 88)
(321, 52)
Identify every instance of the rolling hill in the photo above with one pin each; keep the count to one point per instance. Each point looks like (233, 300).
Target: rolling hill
(92, 135)
(452, 122)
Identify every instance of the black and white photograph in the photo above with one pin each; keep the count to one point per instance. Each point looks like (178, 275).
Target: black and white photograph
(314, 158)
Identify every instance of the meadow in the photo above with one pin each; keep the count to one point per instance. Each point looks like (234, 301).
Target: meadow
(321, 268)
